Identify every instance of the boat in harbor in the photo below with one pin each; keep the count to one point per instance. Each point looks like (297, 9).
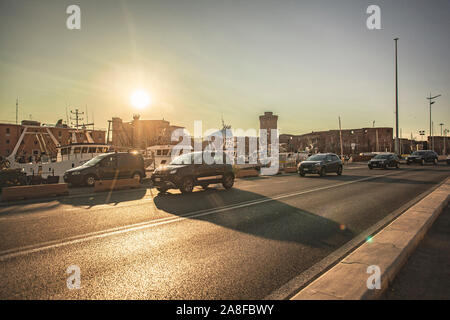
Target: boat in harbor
(68, 156)
(161, 155)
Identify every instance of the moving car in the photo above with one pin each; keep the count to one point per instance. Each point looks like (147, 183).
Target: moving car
(191, 169)
(320, 163)
(422, 157)
(107, 166)
(384, 160)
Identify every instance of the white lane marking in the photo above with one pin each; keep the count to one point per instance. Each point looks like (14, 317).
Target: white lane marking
(20, 251)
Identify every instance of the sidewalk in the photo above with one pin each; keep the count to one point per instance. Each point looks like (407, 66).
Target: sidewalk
(426, 275)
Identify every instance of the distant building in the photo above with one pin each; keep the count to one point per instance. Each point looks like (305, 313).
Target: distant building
(141, 133)
(354, 141)
(40, 142)
(441, 144)
(268, 122)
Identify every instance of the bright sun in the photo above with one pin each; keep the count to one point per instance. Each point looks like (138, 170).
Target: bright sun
(140, 99)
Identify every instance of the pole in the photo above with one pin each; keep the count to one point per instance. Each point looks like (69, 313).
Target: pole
(396, 99)
(445, 136)
(17, 111)
(340, 138)
(431, 125)
(431, 133)
(376, 136)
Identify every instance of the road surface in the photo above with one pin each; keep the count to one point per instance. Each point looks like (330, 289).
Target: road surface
(244, 243)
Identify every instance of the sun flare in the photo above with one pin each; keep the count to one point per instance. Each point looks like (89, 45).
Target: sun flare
(140, 99)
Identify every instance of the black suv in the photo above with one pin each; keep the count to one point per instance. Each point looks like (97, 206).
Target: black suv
(191, 169)
(321, 163)
(384, 160)
(107, 166)
(422, 157)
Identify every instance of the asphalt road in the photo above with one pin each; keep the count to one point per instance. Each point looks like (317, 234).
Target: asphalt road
(244, 243)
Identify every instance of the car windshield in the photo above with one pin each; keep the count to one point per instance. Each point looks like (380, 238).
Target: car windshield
(183, 159)
(317, 157)
(381, 156)
(94, 161)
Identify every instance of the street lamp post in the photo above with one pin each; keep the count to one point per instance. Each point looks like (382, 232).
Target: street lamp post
(445, 136)
(396, 99)
(431, 132)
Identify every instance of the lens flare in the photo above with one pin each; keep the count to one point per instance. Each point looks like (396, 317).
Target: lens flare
(140, 99)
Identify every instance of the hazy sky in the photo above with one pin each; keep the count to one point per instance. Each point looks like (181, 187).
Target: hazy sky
(307, 61)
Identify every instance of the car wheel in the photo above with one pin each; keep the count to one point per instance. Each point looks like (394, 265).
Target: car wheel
(435, 161)
(90, 180)
(339, 171)
(228, 181)
(370, 167)
(137, 176)
(187, 185)
(322, 172)
(422, 162)
(301, 173)
(396, 166)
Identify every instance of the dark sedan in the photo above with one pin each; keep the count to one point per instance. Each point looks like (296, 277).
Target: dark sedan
(384, 160)
(422, 157)
(321, 163)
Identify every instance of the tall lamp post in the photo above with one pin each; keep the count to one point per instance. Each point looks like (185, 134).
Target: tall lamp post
(396, 100)
(431, 132)
(445, 136)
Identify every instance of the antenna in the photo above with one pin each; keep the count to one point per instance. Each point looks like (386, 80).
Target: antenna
(67, 117)
(17, 110)
(77, 118)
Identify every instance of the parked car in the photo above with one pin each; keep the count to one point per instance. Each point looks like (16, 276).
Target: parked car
(107, 166)
(190, 170)
(384, 160)
(422, 157)
(321, 163)
(12, 177)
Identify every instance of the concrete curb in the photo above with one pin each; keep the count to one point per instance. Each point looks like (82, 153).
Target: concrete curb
(389, 250)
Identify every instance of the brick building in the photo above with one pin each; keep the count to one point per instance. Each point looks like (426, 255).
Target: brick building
(141, 133)
(268, 122)
(354, 141)
(441, 144)
(40, 141)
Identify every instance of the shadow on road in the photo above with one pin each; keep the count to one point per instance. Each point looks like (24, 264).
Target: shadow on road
(100, 198)
(273, 219)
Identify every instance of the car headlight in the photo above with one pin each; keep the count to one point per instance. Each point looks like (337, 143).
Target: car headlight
(75, 173)
(173, 171)
(317, 164)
